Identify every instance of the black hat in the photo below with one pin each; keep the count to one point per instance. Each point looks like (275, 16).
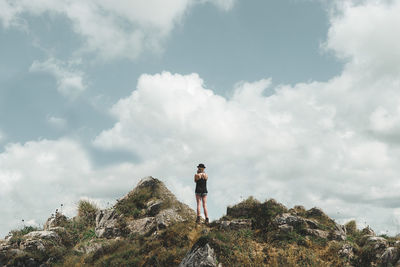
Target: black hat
(201, 165)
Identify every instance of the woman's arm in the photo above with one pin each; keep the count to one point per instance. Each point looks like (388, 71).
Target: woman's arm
(196, 177)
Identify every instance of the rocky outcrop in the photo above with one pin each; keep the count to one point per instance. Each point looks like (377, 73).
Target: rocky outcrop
(158, 209)
(57, 220)
(390, 257)
(107, 225)
(201, 255)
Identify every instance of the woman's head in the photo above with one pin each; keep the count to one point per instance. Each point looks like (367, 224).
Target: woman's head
(201, 167)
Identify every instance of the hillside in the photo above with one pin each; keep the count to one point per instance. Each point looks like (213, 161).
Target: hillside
(150, 227)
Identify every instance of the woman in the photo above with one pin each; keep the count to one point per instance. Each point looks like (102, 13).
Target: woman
(200, 178)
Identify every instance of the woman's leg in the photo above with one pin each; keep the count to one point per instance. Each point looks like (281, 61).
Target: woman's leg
(204, 198)
(198, 198)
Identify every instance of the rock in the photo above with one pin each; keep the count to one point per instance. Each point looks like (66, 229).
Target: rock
(32, 245)
(316, 212)
(390, 256)
(199, 256)
(346, 251)
(142, 226)
(298, 210)
(153, 207)
(339, 233)
(289, 219)
(376, 241)
(47, 235)
(90, 247)
(39, 240)
(284, 228)
(317, 233)
(367, 231)
(166, 217)
(58, 220)
(107, 224)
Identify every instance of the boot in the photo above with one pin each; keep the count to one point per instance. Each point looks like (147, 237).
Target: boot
(207, 222)
(198, 219)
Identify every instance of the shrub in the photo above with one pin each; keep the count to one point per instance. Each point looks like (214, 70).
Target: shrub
(351, 227)
(134, 203)
(87, 212)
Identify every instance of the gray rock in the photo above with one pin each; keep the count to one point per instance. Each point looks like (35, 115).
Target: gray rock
(367, 231)
(317, 233)
(90, 247)
(318, 212)
(39, 240)
(339, 233)
(142, 226)
(153, 207)
(199, 256)
(32, 245)
(346, 251)
(390, 256)
(107, 224)
(289, 219)
(56, 220)
(166, 217)
(45, 234)
(377, 242)
(284, 228)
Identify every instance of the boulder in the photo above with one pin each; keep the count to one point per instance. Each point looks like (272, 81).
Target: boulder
(346, 251)
(390, 256)
(317, 233)
(316, 212)
(153, 207)
(107, 224)
(165, 217)
(339, 233)
(200, 256)
(289, 219)
(284, 228)
(57, 220)
(39, 240)
(45, 234)
(367, 231)
(376, 242)
(142, 226)
(90, 247)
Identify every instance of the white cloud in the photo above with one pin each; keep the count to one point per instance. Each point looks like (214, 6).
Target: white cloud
(367, 34)
(70, 81)
(111, 29)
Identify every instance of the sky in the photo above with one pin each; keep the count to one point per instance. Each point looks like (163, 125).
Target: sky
(296, 100)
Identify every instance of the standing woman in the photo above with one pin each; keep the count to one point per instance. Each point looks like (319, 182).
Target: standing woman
(200, 178)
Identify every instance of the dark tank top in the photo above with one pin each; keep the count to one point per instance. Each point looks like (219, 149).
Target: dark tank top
(201, 186)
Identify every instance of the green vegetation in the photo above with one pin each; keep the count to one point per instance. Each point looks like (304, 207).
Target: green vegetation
(87, 212)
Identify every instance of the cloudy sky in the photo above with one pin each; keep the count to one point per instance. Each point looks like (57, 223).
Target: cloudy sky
(296, 100)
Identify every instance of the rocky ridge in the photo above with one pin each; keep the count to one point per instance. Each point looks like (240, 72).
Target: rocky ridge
(150, 227)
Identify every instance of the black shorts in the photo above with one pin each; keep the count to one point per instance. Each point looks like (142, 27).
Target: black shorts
(201, 194)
